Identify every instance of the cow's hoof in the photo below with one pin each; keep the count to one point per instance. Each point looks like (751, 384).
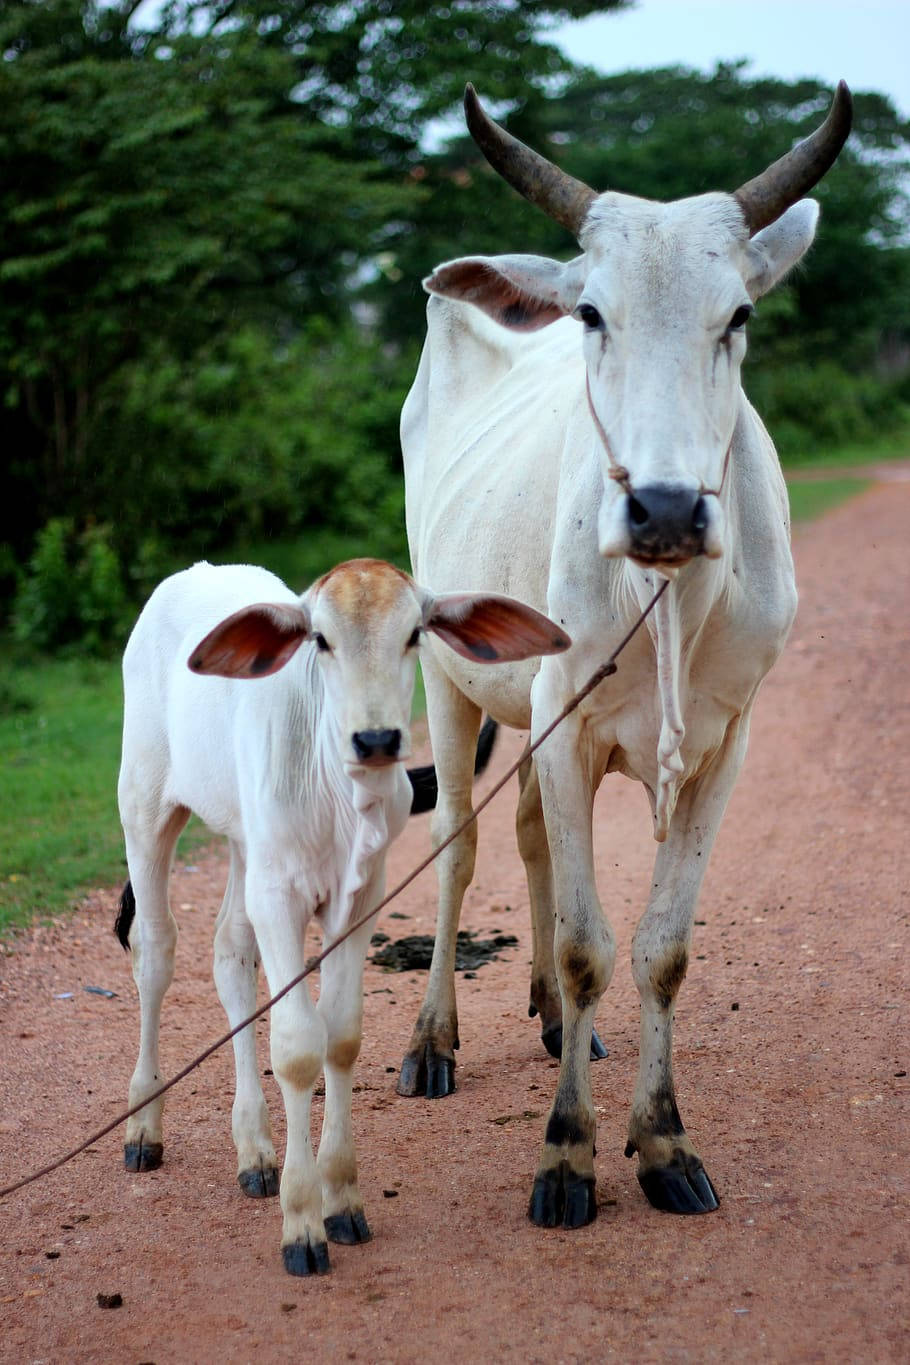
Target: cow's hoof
(306, 1258)
(552, 1040)
(259, 1182)
(427, 1072)
(348, 1228)
(142, 1155)
(562, 1198)
(682, 1186)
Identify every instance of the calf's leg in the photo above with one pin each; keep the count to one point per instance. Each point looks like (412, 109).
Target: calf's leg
(341, 1006)
(236, 963)
(153, 937)
(298, 1046)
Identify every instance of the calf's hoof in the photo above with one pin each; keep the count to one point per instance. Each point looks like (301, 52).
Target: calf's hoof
(552, 1040)
(427, 1072)
(306, 1258)
(681, 1186)
(142, 1155)
(259, 1182)
(561, 1197)
(348, 1229)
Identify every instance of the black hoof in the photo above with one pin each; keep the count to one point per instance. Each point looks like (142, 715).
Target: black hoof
(348, 1228)
(306, 1258)
(142, 1156)
(552, 1040)
(560, 1198)
(681, 1187)
(427, 1073)
(259, 1182)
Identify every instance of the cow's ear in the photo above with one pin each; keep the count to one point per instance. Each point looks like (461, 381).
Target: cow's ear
(778, 247)
(524, 293)
(490, 629)
(252, 643)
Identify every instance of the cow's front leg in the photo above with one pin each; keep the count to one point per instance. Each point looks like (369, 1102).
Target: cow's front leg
(298, 1046)
(584, 950)
(670, 1170)
(428, 1067)
(341, 1006)
(535, 853)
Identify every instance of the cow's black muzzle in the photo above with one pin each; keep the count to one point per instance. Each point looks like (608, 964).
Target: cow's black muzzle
(666, 525)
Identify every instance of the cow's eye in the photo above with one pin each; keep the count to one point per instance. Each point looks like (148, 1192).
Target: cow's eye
(321, 643)
(740, 318)
(414, 638)
(588, 314)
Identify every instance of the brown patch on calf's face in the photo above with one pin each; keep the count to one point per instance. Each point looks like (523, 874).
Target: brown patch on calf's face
(361, 586)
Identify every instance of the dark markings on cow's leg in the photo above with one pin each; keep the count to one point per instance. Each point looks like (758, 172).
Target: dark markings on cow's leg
(142, 1155)
(259, 1182)
(670, 976)
(348, 1229)
(306, 1258)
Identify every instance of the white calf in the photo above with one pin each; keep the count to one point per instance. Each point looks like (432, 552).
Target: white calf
(302, 769)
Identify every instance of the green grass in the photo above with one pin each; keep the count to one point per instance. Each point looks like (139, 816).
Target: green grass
(810, 498)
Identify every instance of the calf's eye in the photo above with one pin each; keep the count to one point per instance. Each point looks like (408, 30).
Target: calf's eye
(740, 318)
(414, 637)
(588, 314)
(321, 643)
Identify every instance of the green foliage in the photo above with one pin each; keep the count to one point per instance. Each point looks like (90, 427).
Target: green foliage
(73, 591)
(59, 747)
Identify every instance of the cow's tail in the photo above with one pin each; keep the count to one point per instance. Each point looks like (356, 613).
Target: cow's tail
(424, 785)
(125, 915)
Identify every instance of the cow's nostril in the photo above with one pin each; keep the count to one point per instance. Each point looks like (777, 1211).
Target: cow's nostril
(638, 513)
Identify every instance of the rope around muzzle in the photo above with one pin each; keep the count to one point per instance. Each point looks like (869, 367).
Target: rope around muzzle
(604, 671)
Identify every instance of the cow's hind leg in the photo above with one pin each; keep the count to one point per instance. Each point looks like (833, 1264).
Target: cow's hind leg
(152, 939)
(535, 852)
(670, 1170)
(428, 1067)
(236, 965)
(341, 1006)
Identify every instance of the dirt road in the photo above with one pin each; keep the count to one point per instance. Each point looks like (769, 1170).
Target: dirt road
(791, 1069)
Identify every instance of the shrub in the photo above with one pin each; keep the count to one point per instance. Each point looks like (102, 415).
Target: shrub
(72, 592)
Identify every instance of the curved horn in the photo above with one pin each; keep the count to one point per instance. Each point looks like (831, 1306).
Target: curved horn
(560, 196)
(765, 198)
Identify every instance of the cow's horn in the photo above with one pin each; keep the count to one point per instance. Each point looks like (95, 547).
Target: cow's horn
(560, 196)
(765, 198)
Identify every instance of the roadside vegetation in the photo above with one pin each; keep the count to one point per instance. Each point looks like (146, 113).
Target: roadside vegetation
(214, 220)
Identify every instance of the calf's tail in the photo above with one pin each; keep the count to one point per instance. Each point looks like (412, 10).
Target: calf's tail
(125, 915)
(424, 785)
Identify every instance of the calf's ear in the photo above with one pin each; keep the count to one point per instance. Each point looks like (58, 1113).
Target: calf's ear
(252, 643)
(491, 629)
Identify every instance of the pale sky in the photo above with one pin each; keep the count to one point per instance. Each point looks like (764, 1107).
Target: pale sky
(866, 42)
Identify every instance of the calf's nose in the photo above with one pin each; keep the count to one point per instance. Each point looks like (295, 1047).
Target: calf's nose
(667, 523)
(376, 743)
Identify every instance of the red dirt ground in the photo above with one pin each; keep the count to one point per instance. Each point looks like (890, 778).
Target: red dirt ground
(791, 1068)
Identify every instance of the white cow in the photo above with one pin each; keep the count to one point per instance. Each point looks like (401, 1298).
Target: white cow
(577, 434)
(294, 751)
